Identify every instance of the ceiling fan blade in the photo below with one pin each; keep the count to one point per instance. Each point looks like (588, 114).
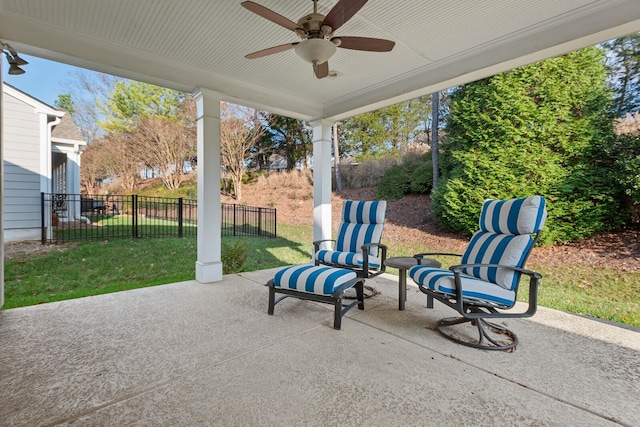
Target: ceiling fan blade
(270, 51)
(270, 15)
(321, 70)
(342, 12)
(366, 43)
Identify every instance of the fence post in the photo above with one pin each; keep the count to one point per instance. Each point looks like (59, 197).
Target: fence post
(43, 236)
(180, 216)
(134, 215)
(259, 221)
(234, 219)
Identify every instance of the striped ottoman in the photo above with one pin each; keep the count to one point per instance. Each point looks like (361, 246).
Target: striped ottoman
(317, 283)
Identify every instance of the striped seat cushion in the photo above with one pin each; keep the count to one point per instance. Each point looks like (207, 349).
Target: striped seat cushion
(443, 281)
(350, 259)
(320, 280)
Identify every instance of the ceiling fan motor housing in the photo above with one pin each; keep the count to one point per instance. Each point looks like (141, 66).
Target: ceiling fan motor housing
(312, 26)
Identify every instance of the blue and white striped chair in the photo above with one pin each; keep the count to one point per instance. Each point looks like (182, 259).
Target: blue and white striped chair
(486, 282)
(357, 246)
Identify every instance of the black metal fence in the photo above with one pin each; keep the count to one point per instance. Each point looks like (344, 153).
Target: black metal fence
(73, 216)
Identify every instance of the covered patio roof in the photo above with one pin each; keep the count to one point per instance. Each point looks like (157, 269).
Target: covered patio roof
(194, 44)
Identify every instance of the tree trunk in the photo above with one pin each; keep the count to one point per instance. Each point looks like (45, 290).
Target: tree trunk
(336, 158)
(237, 186)
(434, 138)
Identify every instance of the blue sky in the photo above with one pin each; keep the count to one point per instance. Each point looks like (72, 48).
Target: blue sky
(43, 79)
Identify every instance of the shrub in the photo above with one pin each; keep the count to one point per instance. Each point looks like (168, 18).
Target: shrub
(540, 129)
(394, 184)
(628, 171)
(412, 176)
(233, 256)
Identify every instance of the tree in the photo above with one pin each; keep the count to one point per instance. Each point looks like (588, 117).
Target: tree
(384, 130)
(93, 167)
(163, 145)
(130, 102)
(88, 90)
(240, 129)
(540, 129)
(624, 73)
(287, 137)
(147, 129)
(109, 157)
(435, 103)
(64, 102)
(336, 159)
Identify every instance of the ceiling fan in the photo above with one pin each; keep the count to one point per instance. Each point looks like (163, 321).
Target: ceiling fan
(316, 32)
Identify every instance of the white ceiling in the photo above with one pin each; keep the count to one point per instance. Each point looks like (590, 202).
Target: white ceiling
(186, 44)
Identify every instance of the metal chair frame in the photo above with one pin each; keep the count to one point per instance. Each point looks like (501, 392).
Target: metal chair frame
(475, 311)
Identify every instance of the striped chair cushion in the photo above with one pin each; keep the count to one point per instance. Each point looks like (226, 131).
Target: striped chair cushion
(491, 248)
(515, 216)
(362, 212)
(351, 259)
(443, 281)
(320, 280)
(351, 237)
(362, 223)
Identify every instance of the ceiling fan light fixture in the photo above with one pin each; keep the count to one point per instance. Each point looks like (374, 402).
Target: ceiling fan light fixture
(315, 51)
(13, 59)
(14, 69)
(18, 60)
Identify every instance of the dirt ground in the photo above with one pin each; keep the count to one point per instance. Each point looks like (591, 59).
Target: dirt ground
(409, 219)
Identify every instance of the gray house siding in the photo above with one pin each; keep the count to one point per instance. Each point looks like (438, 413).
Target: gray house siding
(22, 170)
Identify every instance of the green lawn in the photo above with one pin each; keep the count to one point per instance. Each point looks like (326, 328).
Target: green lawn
(94, 267)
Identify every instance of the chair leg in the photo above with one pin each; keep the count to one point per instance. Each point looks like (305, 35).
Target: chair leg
(429, 301)
(360, 294)
(508, 344)
(337, 316)
(272, 300)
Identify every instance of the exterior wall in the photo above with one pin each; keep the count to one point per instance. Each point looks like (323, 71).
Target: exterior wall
(22, 170)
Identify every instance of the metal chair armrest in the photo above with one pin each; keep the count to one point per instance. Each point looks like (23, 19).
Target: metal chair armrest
(458, 269)
(365, 257)
(316, 243)
(316, 248)
(534, 279)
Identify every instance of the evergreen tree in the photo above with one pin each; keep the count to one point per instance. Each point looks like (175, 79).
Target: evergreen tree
(64, 102)
(131, 102)
(540, 129)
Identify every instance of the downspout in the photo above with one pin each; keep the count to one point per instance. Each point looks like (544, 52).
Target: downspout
(47, 169)
(77, 153)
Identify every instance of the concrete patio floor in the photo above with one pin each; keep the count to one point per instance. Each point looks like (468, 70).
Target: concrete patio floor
(188, 354)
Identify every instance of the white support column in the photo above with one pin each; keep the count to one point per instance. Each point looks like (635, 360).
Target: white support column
(208, 264)
(321, 179)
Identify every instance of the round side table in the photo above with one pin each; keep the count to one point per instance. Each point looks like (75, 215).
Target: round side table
(403, 264)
